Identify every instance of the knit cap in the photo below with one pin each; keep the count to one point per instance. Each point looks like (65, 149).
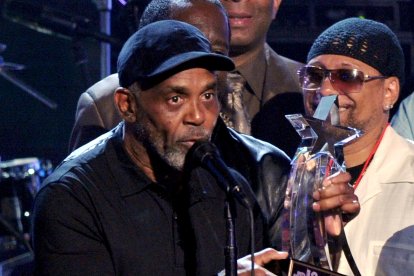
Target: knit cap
(366, 40)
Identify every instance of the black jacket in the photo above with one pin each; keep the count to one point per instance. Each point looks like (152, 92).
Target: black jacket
(264, 166)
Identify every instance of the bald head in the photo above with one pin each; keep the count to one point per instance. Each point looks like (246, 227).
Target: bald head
(163, 9)
(207, 15)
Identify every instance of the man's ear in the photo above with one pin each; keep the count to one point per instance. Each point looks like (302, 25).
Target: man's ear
(392, 92)
(125, 101)
(276, 5)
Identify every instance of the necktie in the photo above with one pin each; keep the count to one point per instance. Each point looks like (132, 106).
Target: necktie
(234, 113)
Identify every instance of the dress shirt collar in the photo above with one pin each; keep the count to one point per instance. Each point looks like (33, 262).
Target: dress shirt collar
(254, 71)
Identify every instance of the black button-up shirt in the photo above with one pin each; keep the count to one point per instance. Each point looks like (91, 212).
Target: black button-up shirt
(98, 214)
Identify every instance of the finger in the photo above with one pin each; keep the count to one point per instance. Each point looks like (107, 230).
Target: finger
(351, 208)
(333, 224)
(267, 255)
(347, 202)
(339, 177)
(334, 185)
(258, 271)
(333, 189)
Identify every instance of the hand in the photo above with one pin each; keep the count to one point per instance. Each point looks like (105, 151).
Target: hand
(261, 258)
(336, 193)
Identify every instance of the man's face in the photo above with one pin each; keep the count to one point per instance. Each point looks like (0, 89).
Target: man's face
(249, 22)
(210, 20)
(362, 110)
(177, 112)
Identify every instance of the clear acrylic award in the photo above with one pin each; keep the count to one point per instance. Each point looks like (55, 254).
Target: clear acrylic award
(319, 155)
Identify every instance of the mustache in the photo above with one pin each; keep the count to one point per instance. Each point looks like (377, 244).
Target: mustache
(195, 133)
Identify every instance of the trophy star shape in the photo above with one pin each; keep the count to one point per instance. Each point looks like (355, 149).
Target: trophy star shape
(324, 128)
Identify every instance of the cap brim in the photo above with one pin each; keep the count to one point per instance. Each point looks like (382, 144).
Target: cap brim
(179, 63)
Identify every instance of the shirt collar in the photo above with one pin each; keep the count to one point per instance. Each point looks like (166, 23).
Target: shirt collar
(254, 71)
(129, 178)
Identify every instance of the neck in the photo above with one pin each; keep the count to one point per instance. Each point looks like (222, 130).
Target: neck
(358, 152)
(149, 162)
(139, 156)
(241, 57)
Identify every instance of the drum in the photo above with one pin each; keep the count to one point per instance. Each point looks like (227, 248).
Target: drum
(20, 180)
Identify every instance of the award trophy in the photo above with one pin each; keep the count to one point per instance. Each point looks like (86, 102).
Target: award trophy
(319, 155)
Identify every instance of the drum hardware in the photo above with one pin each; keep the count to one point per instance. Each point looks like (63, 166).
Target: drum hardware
(10, 242)
(20, 180)
(53, 21)
(6, 67)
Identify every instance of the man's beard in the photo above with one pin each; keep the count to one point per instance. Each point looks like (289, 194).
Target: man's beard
(174, 155)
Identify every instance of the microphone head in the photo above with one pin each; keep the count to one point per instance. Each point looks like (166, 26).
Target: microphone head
(202, 150)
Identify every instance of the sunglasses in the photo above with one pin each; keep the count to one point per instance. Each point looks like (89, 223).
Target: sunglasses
(343, 80)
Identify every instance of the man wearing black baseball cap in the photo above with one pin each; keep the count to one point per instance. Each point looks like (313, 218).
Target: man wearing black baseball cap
(127, 203)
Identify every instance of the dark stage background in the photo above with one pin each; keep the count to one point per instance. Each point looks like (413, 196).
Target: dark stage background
(30, 128)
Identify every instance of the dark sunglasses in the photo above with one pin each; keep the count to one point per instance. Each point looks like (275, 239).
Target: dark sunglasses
(343, 80)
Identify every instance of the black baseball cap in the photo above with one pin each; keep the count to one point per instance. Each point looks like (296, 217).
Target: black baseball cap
(163, 48)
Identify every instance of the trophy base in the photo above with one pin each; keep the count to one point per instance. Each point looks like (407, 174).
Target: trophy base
(292, 267)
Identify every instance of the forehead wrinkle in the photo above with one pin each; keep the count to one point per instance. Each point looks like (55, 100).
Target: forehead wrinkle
(184, 89)
(346, 64)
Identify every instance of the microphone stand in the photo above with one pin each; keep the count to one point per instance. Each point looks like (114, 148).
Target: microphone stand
(230, 252)
(236, 187)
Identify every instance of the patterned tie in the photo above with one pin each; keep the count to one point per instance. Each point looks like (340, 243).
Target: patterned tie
(234, 113)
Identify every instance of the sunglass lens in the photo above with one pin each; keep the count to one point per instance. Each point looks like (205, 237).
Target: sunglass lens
(311, 77)
(347, 80)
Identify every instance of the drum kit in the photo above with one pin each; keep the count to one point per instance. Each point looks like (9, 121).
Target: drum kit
(20, 180)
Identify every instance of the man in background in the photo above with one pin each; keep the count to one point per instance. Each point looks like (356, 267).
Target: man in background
(271, 84)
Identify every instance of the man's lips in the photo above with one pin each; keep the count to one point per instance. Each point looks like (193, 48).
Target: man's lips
(189, 142)
(239, 19)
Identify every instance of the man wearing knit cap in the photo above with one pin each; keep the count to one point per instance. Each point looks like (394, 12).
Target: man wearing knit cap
(362, 62)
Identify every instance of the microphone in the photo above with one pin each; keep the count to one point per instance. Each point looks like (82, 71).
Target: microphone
(52, 21)
(206, 155)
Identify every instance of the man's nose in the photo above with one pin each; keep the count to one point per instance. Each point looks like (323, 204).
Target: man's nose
(196, 114)
(327, 88)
